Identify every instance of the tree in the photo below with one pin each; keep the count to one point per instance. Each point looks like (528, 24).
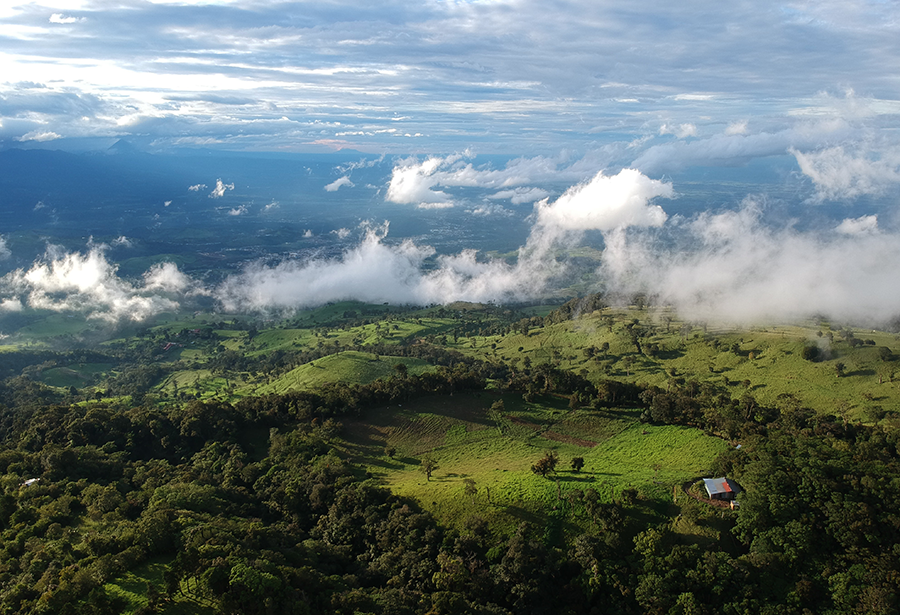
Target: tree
(839, 369)
(577, 464)
(546, 464)
(469, 488)
(496, 413)
(428, 466)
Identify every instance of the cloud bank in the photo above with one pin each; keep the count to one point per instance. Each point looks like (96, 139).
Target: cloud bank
(738, 270)
(88, 283)
(727, 265)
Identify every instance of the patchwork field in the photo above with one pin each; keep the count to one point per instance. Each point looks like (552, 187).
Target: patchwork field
(459, 435)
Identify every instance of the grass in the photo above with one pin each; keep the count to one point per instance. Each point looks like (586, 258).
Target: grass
(348, 367)
(769, 362)
(133, 586)
(457, 432)
(77, 375)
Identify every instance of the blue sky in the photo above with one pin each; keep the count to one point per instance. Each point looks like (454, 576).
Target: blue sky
(654, 84)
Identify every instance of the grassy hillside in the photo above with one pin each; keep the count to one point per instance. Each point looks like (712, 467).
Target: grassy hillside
(346, 367)
(459, 434)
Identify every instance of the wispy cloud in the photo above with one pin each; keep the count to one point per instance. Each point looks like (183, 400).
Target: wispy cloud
(434, 76)
(338, 183)
(839, 174)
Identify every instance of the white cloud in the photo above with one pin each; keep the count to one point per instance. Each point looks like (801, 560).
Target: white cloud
(336, 184)
(421, 182)
(271, 206)
(122, 241)
(167, 203)
(864, 225)
(197, 187)
(219, 190)
(682, 131)
(11, 305)
(412, 182)
(838, 174)
(237, 211)
(490, 210)
(87, 282)
(307, 234)
(606, 203)
(737, 128)
(40, 136)
(517, 196)
(64, 19)
(168, 278)
(735, 269)
(342, 233)
(4, 249)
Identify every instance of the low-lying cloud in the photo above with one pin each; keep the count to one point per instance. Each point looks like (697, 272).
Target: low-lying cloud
(338, 183)
(736, 269)
(88, 282)
(220, 189)
(727, 265)
(841, 174)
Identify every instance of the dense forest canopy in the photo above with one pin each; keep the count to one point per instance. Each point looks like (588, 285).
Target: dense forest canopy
(308, 466)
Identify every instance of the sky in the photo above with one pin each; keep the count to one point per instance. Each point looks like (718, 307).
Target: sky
(643, 83)
(618, 101)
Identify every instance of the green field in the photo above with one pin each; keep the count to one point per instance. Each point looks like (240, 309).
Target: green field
(346, 367)
(619, 453)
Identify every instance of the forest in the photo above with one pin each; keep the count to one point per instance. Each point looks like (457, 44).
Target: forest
(459, 459)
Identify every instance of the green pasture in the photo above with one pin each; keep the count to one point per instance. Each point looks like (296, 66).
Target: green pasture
(769, 362)
(457, 432)
(78, 375)
(347, 367)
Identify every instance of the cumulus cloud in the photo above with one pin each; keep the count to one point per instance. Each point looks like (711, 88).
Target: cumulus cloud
(219, 191)
(837, 173)
(413, 182)
(11, 305)
(342, 233)
(88, 283)
(338, 183)
(197, 187)
(122, 241)
(237, 211)
(377, 271)
(734, 268)
(4, 250)
(682, 131)
(39, 136)
(607, 202)
(424, 182)
(864, 225)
